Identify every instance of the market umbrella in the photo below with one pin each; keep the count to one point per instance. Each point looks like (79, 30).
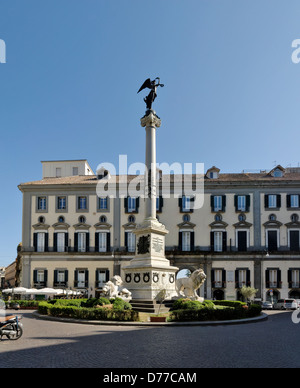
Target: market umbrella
(45, 291)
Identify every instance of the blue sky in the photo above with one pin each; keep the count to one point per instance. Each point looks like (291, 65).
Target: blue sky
(73, 68)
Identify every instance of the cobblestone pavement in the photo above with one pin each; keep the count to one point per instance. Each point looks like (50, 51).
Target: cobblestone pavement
(272, 343)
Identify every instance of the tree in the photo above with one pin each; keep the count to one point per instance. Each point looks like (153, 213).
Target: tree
(248, 292)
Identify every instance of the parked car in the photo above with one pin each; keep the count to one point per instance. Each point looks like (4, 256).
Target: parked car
(298, 303)
(286, 304)
(267, 305)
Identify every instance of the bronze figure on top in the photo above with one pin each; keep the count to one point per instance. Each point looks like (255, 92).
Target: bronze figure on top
(152, 95)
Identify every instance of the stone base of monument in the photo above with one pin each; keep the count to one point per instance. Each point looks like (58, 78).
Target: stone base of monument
(150, 306)
(149, 272)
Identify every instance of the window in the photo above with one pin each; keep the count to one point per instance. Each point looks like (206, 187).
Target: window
(82, 237)
(294, 278)
(218, 278)
(58, 172)
(61, 219)
(102, 276)
(40, 276)
(218, 241)
(40, 241)
(186, 203)
(61, 203)
(277, 173)
(186, 241)
(42, 203)
(61, 242)
(294, 201)
(82, 203)
(130, 241)
(131, 204)
(102, 203)
(159, 204)
(273, 278)
(242, 203)
(294, 240)
(242, 278)
(103, 219)
(186, 218)
(81, 278)
(272, 240)
(41, 220)
(81, 219)
(218, 203)
(242, 240)
(102, 242)
(75, 171)
(60, 277)
(272, 201)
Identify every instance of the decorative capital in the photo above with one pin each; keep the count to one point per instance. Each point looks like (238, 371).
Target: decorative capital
(150, 119)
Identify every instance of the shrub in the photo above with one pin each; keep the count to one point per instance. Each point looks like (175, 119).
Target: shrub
(58, 309)
(188, 304)
(229, 303)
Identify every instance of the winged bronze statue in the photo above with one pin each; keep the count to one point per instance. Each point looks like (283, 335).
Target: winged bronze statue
(152, 95)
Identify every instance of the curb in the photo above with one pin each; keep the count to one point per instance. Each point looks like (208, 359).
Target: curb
(262, 317)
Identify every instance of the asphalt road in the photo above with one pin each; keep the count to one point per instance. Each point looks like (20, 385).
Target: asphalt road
(46, 344)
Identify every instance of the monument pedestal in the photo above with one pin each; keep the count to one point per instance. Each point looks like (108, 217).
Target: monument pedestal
(150, 272)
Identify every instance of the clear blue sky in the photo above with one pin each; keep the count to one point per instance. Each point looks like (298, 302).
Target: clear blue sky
(69, 87)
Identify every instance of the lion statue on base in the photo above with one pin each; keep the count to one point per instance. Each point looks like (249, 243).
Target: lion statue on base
(113, 289)
(187, 287)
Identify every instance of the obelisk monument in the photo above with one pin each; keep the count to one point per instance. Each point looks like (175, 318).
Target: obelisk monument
(149, 271)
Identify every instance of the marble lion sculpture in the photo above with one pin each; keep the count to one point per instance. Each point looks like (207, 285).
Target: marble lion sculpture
(113, 288)
(187, 287)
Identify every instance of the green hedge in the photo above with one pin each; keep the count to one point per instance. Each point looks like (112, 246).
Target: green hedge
(115, 313)
(23, 303)
(188, 304)
(211, 314)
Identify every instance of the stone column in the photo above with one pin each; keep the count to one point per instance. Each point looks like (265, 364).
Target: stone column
(149, 271)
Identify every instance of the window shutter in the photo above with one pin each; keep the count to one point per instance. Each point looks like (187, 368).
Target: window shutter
(223, 203)
(45, 276)
(55, 277)
(35, 276)
(87, 242)
(55, 242)
(224, 247)
(76, 242)
(266, 200)
(97, 242)
(278, 278)
(278, 204)
(46, 241)
(236, 202)
(248, 278)
(212, 241)
(248, 203)
(66, 242)
(180, 203)
(66, 276)
(75, 278)
(126, 240)
(86, 277)
(137, 204)
(267, 278)
(35, 241)
(288, 201)
(212, 202)
(192, 240)
(212, 276)
(108, 242)
(224, 278)
(107, 275)
(236, 275)
(290, 278)
(126, 204)
(180, 241)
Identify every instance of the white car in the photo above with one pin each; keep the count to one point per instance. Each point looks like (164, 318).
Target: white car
(286, 304)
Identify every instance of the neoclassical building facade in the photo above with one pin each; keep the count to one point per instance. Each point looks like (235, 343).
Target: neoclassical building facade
(246, 233)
